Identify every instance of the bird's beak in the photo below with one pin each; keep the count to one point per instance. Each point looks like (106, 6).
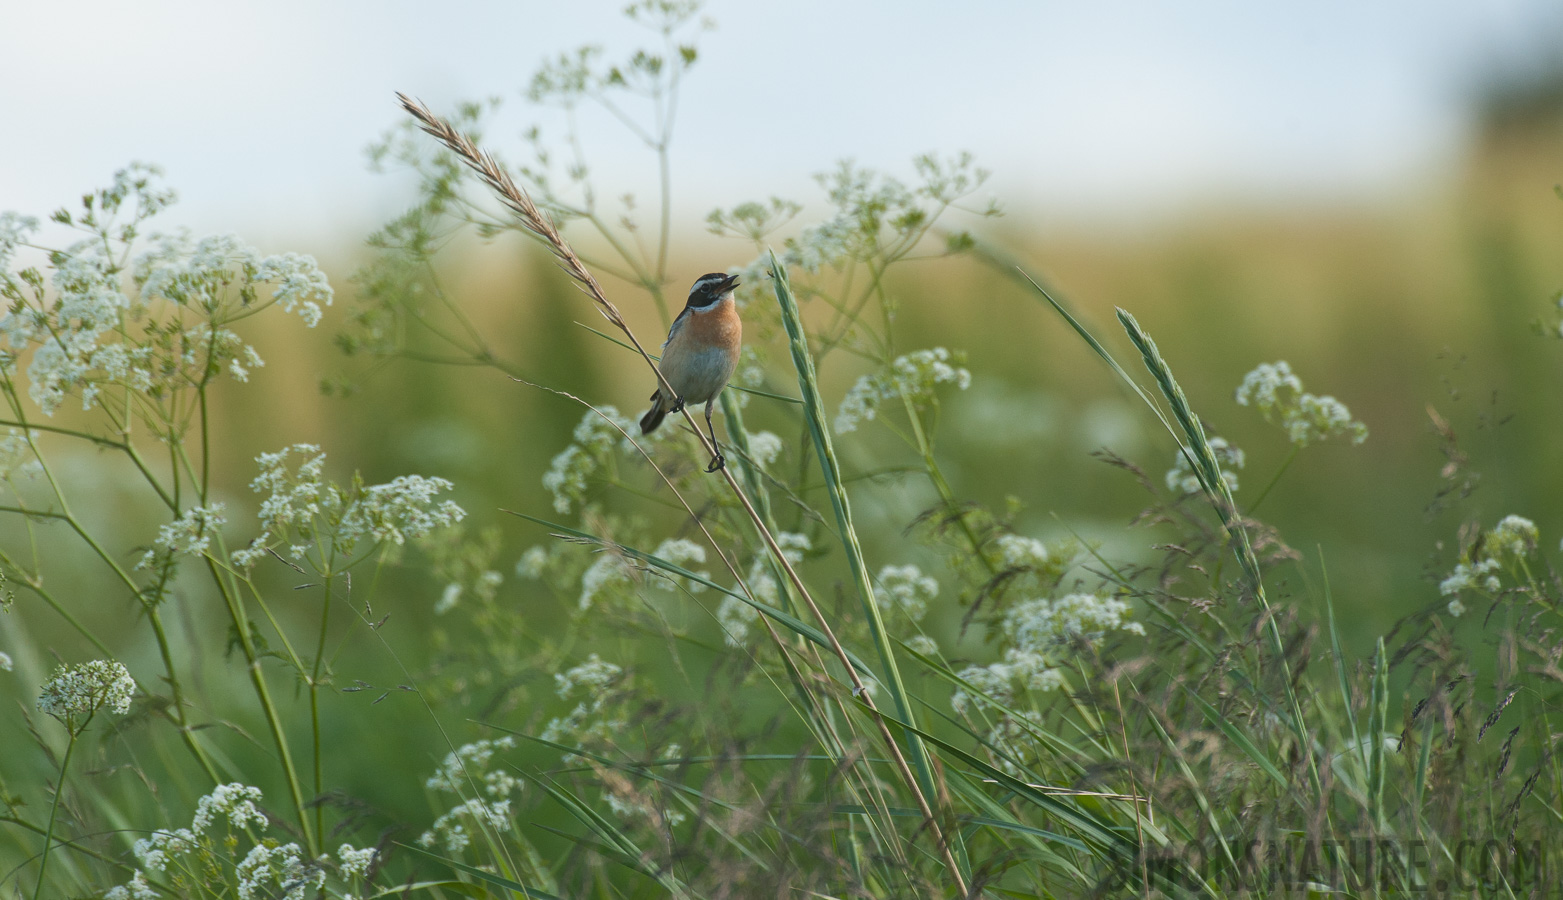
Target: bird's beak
(729, 284)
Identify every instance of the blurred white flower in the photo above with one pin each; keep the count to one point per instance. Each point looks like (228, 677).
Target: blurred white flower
(1279, 397)
(914, 376)
(764, 448)
(1181, 478)
(908, 590)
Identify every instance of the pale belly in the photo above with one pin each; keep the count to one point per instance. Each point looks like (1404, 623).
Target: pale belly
(701, 375)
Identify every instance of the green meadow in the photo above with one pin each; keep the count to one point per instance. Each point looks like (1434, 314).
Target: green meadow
(1032, 573)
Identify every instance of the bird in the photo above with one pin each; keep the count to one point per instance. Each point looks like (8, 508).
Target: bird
(699, 355)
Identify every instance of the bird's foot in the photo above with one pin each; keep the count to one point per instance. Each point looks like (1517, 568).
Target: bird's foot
(678, 405)
(718, 462)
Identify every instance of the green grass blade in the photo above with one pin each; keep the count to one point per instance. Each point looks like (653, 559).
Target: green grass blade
(512, 886)
(1378, 716)
(1242, 740)
(819, 429)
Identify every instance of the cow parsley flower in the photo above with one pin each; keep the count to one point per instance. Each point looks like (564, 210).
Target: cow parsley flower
(595, 438)
(450, 829)
(682, 553)
(1279, 397)
(1513, 537)
(914, 376)
(236, 802)
(355, 863)
(5, 661)
(278, 873)
(190, 534)
(1510, 542)
(14, 231)
(302, 502)
(734, 615)
(1181, 478)
(298, 285)
(467, 761)
(908, 590)
(79, 691)
(1037, 625)
(609, 571)
(533, 563)
(764, 448)
(136, 888)
(1018, 552)
(592, 684)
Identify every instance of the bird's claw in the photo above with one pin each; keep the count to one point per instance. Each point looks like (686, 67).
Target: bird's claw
(718, 462)
(678, 405)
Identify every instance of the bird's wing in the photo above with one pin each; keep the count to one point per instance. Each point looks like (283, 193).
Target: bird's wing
(677, 324)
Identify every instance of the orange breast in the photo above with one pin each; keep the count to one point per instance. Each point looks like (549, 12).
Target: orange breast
(718, 327)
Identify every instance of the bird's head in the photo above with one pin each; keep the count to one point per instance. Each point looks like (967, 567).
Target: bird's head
(711, 288)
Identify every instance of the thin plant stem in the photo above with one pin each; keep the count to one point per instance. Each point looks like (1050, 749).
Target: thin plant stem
(54, 808)
(1275, 480)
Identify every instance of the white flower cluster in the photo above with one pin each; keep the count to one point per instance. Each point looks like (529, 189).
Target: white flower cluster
(190, 534)
(908, 590)
(913, 376)
(684, 554)
(533, 563)
(1279, 397)
(16, 455)
(1019, 552)
(1514, 537)
(592, 684)
(595, 440)
(355, 863)
(278, 872)
(304, 503)
(234, 801)
(612, 570)
(83, 689)
(14, 231)
(1182, 480)
(764, 448)
(996, 683)
(1512, 540)
(1040, 624)
(734, 615)
(609, 571)
(484, 586)
(5, 662)
(94, 335)
(450, 829)
(204, 277)
(1035, 632)
(238, 803)
(136, 889)
(470, 761)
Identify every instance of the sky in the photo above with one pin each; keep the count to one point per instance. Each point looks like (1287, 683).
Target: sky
(260, 112)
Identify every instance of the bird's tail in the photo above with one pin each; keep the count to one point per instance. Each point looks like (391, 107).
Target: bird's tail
(654, 415)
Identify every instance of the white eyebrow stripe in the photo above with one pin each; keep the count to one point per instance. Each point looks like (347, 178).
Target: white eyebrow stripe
(708, 280)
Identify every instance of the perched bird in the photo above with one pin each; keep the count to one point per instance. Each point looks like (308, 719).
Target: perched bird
(699, 355)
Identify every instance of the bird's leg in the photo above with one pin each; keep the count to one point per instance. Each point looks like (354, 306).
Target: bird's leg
(678, 405)
(717, 461)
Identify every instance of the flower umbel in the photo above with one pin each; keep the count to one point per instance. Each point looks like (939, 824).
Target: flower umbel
(76, 693)
(1279, 397)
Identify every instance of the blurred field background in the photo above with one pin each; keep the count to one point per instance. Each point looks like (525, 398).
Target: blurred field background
(1439, 294)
